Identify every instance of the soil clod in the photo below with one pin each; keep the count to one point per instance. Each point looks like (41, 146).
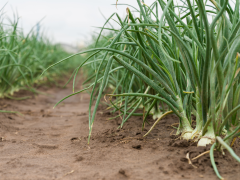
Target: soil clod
(136, 146)
(121, 171)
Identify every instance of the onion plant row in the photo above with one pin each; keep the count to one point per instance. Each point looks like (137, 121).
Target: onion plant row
(173, 58)
(24, 57)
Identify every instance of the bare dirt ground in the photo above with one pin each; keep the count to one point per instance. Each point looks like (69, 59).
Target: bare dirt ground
(52, 144)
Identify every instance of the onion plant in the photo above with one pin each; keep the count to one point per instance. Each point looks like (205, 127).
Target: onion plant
(173, 58)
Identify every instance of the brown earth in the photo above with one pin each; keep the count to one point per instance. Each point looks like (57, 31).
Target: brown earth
(52, 144)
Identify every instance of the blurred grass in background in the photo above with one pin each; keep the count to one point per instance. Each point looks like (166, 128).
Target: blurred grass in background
(23, 57)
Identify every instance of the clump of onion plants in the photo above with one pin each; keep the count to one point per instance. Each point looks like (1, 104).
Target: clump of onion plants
(24, 57)
(174, 58)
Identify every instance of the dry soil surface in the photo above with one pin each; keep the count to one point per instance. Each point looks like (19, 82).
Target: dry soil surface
(52, 144)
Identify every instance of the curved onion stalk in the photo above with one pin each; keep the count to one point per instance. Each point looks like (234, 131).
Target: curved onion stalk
(225, 145)
(213, 162)
(212, 156)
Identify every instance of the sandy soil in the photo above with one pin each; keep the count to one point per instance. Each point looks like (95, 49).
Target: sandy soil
(52, 144)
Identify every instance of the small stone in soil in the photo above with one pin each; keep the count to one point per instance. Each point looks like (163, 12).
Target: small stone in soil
(121, 171)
